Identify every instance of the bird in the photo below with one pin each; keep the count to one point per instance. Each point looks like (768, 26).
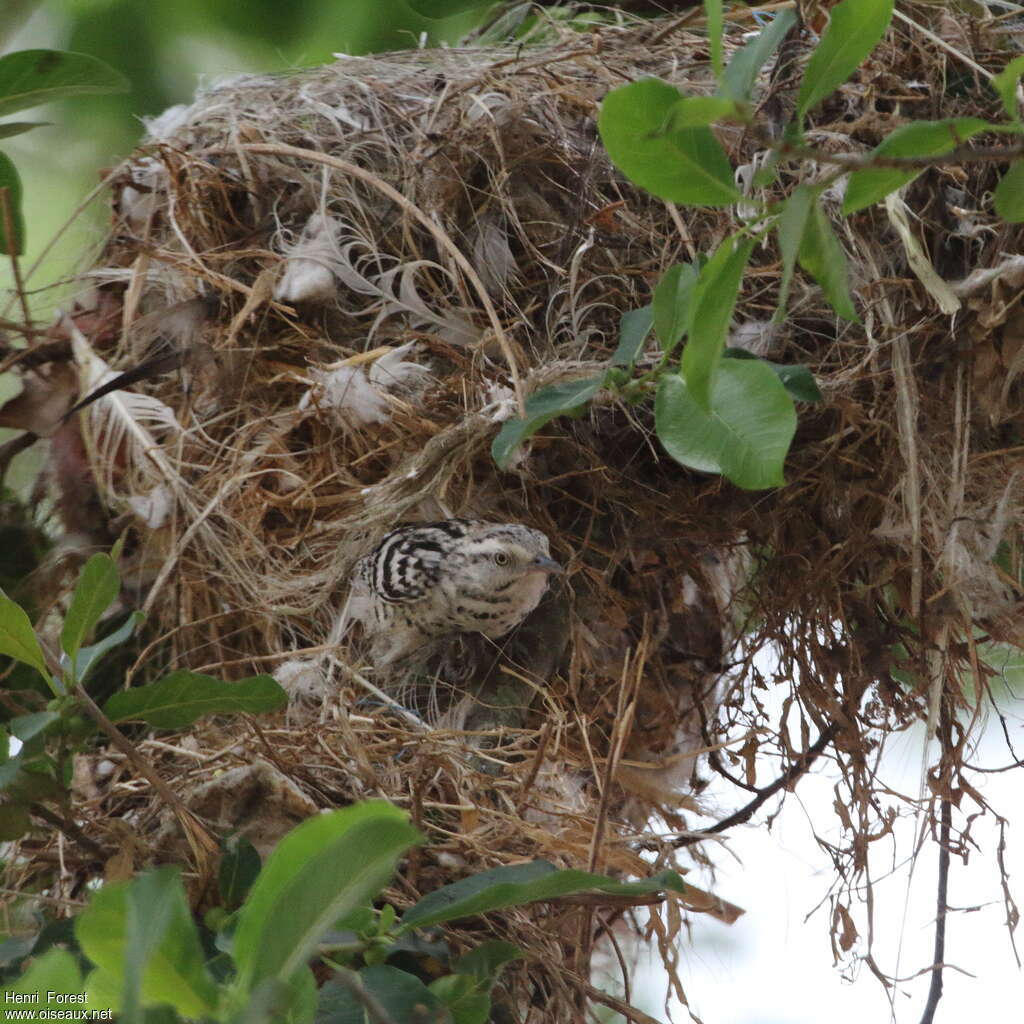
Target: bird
(425, 581)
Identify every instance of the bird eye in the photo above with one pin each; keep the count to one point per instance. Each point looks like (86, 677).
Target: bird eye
(501, 558)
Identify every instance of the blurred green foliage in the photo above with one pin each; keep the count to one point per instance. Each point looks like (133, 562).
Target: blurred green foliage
(167, 50)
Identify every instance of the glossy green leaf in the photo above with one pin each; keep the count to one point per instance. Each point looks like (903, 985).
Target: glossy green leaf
(464, 997)
(517, 885)
(694, 111)
(671, 304)
(402, 995)
(149, 909)
(823, 258)
(685, 165)
(27, 727)
(31, 77)
(1005, 84)
(741, 73)
(796, 379)
(10, 180)
(1008, 198)
(325, 868)
(542, 407)
(98, 586)
(487, 961)
(711, 308)
(18, 639)
(634, 329)
(745, 436)
(854, 29)
(90, 655)
(15, 821)
(790, 227)
(183, 697)
(919, 138)
(172, 967)
(715, 22)
(8, 129)
(239, 868)
(55, 971)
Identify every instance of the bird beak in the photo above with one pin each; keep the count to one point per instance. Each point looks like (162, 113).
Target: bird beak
(544, 564)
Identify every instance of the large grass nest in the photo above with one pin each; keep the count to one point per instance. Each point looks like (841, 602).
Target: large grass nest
(367, 265)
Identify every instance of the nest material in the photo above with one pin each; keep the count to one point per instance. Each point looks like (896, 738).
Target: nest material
(454, 212)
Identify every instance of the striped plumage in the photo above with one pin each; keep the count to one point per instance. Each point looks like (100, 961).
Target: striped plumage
(429, 580)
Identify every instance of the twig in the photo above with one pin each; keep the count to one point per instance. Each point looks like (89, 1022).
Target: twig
(69, 828)
(374, 1010)
(627, 1011)
(941, 908)
(789, 776)
(202, 843)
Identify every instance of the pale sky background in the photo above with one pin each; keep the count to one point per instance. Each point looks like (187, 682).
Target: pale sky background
(774, 965)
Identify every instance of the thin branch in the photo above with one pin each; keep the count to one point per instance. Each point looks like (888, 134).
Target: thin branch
(69, 828)
(786, 779)
(375, 1012)
(202, 843)
(941, 905)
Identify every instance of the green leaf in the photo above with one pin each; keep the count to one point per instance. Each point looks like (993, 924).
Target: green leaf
(31, 77)
(18, 640)
(919, 138)
(183, 697)
(57, 972)
(823, 258)
(713, 13)
(634, 328)
(463, 996)
(1008, 198)
(695, 111)
(239, 868)
(685, 165)
(323, 869)
(542, 407)
(151, 899)
(738, 78)
(854, 28)
(89, 656)
(10, 181)
(11, 128)
(467, 992)
(1005, 84)
(402, 995)
(714, 299)
(96, 590)
(172, 967)
(747, 433)
(14, 821)
(26, 727)
(487, 961)
(671, 304)
(796, 379)
(519, 884)
(790, 227)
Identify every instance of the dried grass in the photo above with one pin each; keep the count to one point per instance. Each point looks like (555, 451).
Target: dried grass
(466, 206)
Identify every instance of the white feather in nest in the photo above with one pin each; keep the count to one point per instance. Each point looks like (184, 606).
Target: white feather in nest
(363, 269)
(123, 443)
(309, 269)
(359, 397)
